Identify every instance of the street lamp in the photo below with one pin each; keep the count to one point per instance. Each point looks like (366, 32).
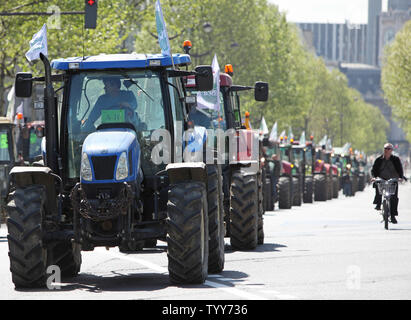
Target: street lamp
(207, 27)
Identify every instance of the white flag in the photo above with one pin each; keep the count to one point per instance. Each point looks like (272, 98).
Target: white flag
(163, 40)
(211, 99)
(302, 138)
(38, 44)
(273, 134)
(263, 127)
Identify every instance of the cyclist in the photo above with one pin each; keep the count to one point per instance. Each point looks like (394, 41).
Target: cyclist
(388, 166)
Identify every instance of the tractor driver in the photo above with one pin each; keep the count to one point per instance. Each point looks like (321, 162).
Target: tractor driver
(115, 106)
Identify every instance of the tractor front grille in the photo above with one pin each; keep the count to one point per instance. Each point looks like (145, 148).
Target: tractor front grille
(104, 167)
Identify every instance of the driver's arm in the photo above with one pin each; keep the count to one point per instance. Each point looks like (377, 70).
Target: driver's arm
(88, 123)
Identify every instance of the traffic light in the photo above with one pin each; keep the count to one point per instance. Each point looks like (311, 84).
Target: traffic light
(90, 20)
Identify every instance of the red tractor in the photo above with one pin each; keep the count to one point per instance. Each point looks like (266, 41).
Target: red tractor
(287, 185)
(242, 179)
(326, 179)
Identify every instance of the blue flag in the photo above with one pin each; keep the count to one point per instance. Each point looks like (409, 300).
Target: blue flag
(163, 40)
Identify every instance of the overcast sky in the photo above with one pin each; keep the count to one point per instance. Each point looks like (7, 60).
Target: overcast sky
(333, 11)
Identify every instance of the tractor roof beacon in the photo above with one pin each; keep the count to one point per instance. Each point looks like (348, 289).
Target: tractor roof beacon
(111, 176)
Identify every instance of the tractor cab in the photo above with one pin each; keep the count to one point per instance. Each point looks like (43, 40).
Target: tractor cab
(286, 156)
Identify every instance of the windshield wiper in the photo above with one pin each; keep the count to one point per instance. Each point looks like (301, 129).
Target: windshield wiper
(136, 84)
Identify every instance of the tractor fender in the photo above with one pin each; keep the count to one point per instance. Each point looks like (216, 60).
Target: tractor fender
(334, 169)
(286, 167)
(25, 176)
(187, 171)
(327, 167)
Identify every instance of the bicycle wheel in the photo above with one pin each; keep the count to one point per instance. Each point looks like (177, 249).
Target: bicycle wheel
(385, 213)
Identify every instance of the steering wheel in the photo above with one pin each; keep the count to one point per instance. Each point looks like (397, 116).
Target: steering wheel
(121, 106)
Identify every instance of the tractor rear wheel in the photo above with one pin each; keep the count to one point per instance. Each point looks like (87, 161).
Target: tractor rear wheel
(261, 209)
(308, 190)
(215, 219)
(284, 198)
(320, 187)
(336, 187)
(296, 192)
(187, 233)
(244, 210)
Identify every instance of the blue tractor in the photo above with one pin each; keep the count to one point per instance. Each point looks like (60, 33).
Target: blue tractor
(113, 173)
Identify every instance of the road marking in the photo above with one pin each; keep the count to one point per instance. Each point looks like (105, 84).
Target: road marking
(219, 286)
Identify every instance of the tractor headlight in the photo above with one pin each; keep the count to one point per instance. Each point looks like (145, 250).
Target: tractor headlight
(122, 167)
(85, 171)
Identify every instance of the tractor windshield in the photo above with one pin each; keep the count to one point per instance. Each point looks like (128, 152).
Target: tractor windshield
(285, 153)
(35, 144)
(208, 118)
(298, 155)
(4, 147)
(112, 97)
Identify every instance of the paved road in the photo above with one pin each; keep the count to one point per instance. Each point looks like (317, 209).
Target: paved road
(332, 250)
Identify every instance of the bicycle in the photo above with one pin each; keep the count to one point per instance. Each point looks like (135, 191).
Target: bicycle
(387, 189)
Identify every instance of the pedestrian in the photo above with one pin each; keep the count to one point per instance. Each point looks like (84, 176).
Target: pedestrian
(387, 166)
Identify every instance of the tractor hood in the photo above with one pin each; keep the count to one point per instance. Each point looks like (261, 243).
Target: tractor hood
(110, 155)
(109, 141)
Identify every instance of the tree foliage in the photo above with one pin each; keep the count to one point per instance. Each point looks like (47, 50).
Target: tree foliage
(253, 36)
(396, 77)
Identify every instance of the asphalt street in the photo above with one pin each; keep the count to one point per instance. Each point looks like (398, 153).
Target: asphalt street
(337, 249)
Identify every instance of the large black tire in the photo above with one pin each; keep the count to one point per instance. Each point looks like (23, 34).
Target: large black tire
(320, 187)
(27, 253)
(215, 219)
(296, 192)
(284, 193)
(66, 256)
(261, 209)
(268, 194)
(329, 187)
(226, 198)
(308, 190)
(361, 182)
(336, 187)
(244, 213)
(354, 184)
(187, 233)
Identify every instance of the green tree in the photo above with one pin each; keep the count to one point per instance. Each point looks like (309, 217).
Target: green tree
(396, 77)
(66, 34)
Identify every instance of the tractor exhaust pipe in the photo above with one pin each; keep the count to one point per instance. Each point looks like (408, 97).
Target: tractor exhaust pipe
(50, 113)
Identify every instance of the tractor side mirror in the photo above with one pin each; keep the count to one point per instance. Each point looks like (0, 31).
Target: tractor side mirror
(261, 91)
(204, 78)
(23, 85)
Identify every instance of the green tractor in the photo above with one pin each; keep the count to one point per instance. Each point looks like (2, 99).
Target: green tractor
(273, 167)
(343, 161)
(326, 179)
(308, 170)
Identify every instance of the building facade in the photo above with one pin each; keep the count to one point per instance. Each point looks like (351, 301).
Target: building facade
(336, 41)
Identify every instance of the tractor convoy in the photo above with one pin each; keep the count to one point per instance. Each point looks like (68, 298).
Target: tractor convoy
(136, 148)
